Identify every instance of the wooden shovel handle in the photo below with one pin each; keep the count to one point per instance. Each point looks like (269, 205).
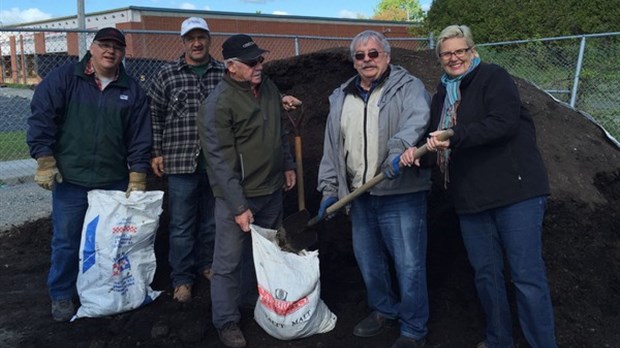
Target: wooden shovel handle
(301, 196)
(421, 151)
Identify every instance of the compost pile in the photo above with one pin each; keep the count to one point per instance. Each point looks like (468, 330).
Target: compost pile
(581, 244)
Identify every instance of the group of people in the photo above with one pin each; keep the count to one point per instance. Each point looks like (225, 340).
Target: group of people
(214, 130)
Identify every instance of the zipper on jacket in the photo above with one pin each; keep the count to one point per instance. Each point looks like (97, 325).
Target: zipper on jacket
(241, 167)
(96, 135)
(365, 140)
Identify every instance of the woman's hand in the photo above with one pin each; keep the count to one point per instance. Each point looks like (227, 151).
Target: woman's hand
(433, 144)
(408, 157)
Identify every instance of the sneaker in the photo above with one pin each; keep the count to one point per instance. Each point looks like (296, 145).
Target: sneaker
(183, 293)
(207, 273)
(231, 335)
(63, 310)
(372, 325)
(408, 342)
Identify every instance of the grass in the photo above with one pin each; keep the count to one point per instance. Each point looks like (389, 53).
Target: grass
(13, 146)
(17, 85)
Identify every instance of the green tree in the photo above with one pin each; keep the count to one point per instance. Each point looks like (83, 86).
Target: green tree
(399, 10)
(501, 20)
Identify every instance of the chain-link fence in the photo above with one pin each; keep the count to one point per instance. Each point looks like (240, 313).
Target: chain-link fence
(577, 70)
(28, 56)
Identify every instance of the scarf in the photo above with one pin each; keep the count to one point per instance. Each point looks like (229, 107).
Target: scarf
(448, 113)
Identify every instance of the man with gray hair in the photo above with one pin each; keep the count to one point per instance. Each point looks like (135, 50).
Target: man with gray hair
(251, 167)
(175, 97)
(373, 118)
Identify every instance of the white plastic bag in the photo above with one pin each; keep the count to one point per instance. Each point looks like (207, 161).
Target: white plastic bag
(117, 256)
(289, 305)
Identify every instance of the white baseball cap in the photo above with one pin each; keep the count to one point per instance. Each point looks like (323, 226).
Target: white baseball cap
(193, 23)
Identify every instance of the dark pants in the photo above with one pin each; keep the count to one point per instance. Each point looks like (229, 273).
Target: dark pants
(513, 232)
(234, 280)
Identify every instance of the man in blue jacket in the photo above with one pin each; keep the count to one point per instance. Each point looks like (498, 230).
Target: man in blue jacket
(90, 128)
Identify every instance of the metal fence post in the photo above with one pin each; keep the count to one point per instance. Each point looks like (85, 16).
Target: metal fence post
(296, 45)
(582, 48)
(431, 41)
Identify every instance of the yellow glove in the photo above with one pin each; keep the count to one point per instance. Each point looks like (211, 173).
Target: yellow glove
(47, 174)
(137, 182)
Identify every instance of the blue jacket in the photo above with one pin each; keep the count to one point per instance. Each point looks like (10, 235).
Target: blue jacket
(97, 137)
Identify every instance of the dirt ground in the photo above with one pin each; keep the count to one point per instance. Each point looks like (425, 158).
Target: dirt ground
(581, 245)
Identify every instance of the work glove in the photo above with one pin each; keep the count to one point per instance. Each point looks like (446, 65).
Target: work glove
(325, 203)
(137, 182)
(47, 174)
(391, 169)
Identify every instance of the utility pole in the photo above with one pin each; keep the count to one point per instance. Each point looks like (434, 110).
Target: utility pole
(81, 22)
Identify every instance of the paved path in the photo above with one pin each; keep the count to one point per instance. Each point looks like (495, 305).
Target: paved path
(21, 200)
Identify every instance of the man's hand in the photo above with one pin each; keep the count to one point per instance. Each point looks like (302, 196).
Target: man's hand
(290, 103)
(244, 220)
(290, 179)
(325, 203)
(391, 170)
(157, 165)
(137, 182)
(47, 174)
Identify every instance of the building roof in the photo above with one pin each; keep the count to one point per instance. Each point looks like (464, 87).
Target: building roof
(133, 13)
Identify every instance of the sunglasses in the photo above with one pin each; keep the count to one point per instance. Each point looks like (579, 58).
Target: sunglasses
(371, 54)
(252, 63)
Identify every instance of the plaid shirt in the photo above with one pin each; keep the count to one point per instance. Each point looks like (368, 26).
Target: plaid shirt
(175, 97)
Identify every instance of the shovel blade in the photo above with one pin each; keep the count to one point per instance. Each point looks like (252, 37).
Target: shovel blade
(296, 233)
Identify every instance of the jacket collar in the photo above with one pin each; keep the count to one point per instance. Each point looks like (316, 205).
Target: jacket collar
(80, 70)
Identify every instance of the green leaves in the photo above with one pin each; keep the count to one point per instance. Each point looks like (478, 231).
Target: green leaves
(399, 10)
(504, 20)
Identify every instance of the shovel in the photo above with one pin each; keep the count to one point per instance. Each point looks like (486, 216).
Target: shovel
(299, 170)
(297, 232)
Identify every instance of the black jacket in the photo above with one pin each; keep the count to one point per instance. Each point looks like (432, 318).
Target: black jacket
(495, 160)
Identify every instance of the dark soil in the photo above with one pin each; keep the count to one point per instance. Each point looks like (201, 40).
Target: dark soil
(581, 245)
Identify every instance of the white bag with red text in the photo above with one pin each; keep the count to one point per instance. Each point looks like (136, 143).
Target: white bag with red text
(289, 302)
(117, 255)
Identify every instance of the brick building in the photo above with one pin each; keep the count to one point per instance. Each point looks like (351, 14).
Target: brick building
(152, 34)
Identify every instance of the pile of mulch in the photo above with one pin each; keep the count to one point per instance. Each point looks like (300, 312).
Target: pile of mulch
(581, 244)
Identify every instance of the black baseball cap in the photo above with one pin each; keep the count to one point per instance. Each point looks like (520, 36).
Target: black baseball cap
(241, 46)
(110, 34)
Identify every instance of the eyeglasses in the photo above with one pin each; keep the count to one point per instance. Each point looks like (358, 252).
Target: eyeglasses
(109, 47)
(458, 53)
(252, 63)
(372, 54)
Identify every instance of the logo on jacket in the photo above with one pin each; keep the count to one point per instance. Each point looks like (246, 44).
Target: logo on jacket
(124, 97)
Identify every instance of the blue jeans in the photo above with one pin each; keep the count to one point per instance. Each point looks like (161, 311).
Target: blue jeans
(234, 280)
(513, 232)
(69, 205)
(387, 228)
(192, 226)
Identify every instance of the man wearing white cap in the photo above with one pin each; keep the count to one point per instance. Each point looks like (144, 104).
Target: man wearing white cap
(175, 97)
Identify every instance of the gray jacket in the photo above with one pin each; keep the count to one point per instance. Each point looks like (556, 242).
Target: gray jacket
(404, 115)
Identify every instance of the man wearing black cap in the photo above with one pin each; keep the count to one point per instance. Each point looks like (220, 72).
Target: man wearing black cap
(175, 97)
(249, 165)
(90, 129)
